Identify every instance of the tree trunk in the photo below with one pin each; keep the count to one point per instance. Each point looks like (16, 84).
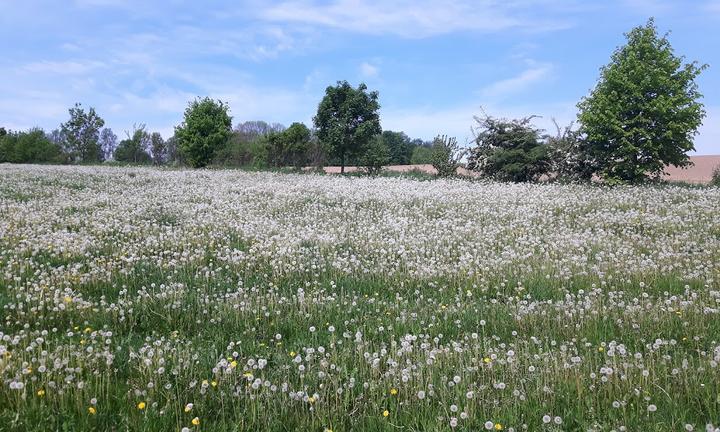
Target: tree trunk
(342, 163)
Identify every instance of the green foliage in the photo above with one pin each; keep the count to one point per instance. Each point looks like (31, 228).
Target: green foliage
(716, 177)
(204, 130)
(569, 161)
(644, 111)
(375, 155)
(81, 135)
(289, 147)
(134, 148)
(422, 154)
(32, 146)
(399, 146)
(446, 155)
(347, 118)
(509, 150)
(158, 148)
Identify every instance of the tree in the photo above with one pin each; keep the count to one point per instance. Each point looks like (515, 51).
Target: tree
(32, 146)
(644, 112)
(347, 118)
(205, 129)
(446, 155)
(81, 134)
(158, 148)
(289, 147)
(108, 143)
(509, 150)
(375, 155)
(134, 148)
(399, 147)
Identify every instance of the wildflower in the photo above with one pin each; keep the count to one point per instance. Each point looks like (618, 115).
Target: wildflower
(188, 407)
(386, 413)
(141, 406)
(498, 426)
(393, 391)
(92, 410)
(546, 419)
(487, 360)
(41, 393)
(195, 421)
(652, 408)
(489, 425)
(213, 383)
(233, 364)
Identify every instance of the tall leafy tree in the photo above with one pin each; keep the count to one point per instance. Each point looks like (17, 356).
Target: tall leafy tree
(644, 112)
(204, 130)
(347, 118)
(29, 147)
(158, 148)
(81, 134)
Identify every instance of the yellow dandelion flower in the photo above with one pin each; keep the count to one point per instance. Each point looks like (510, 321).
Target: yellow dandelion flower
(233, 364)
(68, 299)
(292, 353)
(214, 383)
(311, 399)
(141, 405)
(601, 349)
(386, 413)
(487, 360)
(41, 392)
(92, 410)
(196, 421)
(498, 426)
(393, 391)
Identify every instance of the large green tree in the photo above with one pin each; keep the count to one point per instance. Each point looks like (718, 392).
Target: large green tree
(205, 129)
(347, 118)
(644, 112)
(81, 135)
(29, 147)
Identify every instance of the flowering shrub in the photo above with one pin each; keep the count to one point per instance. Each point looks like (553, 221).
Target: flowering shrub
(226, 300)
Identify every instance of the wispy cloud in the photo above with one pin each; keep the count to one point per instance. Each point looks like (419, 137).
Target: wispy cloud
(368, 70)
(534, 74)
(420, 18)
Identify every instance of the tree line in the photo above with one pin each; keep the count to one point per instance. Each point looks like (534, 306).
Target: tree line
(641, 116)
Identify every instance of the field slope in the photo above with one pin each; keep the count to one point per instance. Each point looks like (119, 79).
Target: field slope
(144, 299)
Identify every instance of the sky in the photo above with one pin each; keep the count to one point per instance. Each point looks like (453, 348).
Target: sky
(435, 63)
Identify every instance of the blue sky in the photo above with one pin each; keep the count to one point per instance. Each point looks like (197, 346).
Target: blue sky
(435, 63)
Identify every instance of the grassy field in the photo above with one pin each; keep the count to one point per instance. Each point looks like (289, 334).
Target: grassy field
(143, 299)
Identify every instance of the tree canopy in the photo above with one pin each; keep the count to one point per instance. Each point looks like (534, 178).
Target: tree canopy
(347, 118)
(205, 129)
(644, 112)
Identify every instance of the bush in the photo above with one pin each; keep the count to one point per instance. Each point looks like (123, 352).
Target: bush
(446, 155)
(509, 150)
(375, 155)
(716, 177)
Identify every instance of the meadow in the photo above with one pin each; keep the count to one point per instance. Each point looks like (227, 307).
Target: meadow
(154, 299)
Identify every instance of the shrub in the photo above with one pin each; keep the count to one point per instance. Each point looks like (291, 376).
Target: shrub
(375, 155)
(716, 177)
(509, 150)
(446, 155)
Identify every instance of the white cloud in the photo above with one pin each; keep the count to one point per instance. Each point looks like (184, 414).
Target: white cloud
(368, 70)
(420, 18)
(513, 85)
